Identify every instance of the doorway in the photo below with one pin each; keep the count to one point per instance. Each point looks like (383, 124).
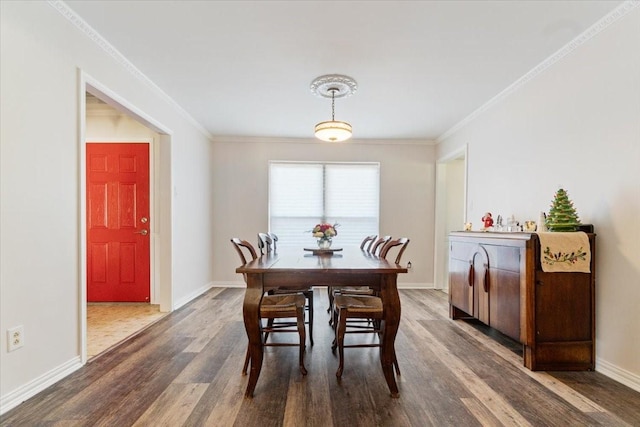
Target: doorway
(106, 117)
(451, 209)
(118, 222)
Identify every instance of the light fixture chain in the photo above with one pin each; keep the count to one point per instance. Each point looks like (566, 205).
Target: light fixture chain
(333, 104)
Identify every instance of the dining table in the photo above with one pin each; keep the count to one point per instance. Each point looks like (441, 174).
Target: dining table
(296, 269)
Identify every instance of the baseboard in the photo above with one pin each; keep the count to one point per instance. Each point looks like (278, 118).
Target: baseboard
(193, 295)
(22, 393)
(238, 284)
(400, 285)
(416, 286)
(623, 376)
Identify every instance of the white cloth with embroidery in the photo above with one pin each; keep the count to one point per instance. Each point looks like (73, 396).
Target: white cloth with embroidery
(565, 252)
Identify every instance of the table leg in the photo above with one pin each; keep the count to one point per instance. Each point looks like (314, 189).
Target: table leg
(390, 323)
(251, 315)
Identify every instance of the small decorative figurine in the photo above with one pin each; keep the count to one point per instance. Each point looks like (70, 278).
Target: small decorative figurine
(562, 215)
(498, 225)
(542, 222)
(487, 219)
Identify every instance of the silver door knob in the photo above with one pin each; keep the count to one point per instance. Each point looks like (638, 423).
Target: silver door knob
(144, 232)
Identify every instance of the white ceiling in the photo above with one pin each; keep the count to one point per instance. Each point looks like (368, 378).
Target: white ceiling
(243, 68)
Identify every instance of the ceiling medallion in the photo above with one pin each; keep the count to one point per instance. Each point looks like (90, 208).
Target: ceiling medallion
(333, 86)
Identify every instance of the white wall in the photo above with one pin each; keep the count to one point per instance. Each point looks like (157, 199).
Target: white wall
(407, 191)
(575, 125)
(40, 265)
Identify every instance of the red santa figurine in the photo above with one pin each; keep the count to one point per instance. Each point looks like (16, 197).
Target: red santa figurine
(487, 219)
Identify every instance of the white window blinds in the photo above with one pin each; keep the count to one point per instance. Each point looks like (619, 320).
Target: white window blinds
(302, 195)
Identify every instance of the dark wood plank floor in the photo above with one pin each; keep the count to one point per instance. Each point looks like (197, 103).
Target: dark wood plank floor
(185, 371)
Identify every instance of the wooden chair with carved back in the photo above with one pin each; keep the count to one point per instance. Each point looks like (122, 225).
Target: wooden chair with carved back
(281, 306)
(365, 246)
(267, 243)
(373, 247)
(362, 308)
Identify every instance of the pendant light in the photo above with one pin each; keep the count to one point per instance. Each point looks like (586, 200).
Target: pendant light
(333, 86)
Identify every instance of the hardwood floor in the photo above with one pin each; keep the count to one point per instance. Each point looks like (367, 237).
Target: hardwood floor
(185, 370)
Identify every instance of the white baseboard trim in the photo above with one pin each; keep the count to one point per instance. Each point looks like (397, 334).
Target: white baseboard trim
(30, 389)
(400, 285)
(193, 295)
(621, 375)
(238, 284)
(416, 286)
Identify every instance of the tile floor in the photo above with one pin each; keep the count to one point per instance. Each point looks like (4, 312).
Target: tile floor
(109, 324)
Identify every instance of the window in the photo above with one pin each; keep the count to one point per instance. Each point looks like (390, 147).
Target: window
(302, 195)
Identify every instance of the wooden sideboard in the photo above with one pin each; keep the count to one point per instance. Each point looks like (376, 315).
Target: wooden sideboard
(497, 278)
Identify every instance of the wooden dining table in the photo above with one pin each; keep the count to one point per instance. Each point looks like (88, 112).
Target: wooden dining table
(296, 269)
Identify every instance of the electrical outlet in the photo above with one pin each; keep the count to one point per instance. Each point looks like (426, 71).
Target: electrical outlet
(15, 338)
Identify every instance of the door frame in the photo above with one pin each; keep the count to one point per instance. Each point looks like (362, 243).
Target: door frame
(161, 194)
(441, 250)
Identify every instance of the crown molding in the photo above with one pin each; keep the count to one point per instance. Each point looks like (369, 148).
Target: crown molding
(235, 139)
(588, 34)
(107, 47)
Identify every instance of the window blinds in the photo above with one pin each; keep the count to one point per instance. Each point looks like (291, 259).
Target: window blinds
(302, 195)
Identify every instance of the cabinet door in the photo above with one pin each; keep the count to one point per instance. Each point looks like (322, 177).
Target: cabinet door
(481, 284)
(563, 307)
(505, 290)
(460, 288)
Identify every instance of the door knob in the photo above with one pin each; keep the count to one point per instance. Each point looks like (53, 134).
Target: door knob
(144, 232)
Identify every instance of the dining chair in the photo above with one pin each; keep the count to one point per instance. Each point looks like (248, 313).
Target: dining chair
(274, 239)
(267, 244)
(365, 245)
(367, 242)
(376, 246)
(400, 243)
(363, 308)
(290, 305)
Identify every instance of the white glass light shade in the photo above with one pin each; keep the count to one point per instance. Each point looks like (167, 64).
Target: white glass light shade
(333, 131)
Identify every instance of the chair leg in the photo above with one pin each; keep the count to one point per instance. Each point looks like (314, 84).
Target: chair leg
(269, 326)
(303, 339)
(395, 364)
(246, 362)
(309, 296)
(341, 329)
(334, 325)
(334, 344)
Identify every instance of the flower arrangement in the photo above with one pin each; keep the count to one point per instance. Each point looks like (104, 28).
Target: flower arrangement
(324, 231)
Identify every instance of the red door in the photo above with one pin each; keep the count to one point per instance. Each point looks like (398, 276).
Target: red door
(118, 222)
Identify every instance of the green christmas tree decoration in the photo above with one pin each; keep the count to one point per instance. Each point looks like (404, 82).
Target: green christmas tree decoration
(562, 215)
